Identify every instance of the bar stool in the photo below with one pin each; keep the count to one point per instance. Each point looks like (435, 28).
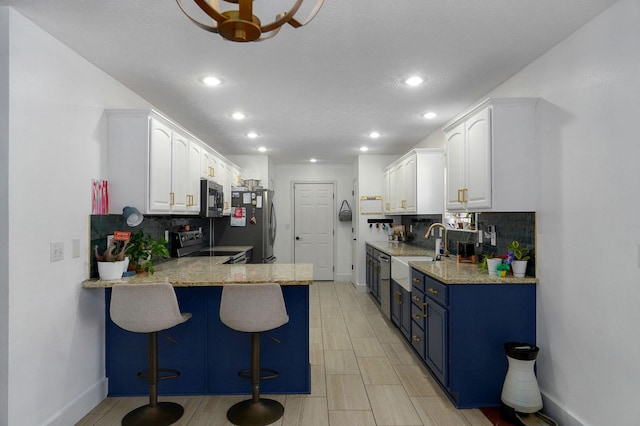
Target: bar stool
(149, 308)
(253, 308)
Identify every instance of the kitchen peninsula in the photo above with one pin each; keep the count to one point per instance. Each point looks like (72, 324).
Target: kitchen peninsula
(207, 353)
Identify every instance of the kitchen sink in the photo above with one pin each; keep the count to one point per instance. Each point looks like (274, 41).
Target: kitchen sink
(401, 271)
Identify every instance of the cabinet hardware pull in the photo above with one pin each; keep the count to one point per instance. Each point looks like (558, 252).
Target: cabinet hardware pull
(415, 280)
(459, 198)
(416, 317)
(415, 298)
(404, 204)
(399, 297)
(226, 205)
(213, 172)
(433, 290)
(465, 197)
(416, 338)
(388, 206)
(172, 196)
(424, 314)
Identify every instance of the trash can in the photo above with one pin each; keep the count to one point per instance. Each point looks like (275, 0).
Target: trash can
(520, 390)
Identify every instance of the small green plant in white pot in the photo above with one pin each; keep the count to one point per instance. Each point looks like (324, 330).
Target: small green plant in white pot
(143, 250)
(520, 258)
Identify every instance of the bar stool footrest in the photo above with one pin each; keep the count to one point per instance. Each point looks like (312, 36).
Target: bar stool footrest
(246, 374)
(163, 374)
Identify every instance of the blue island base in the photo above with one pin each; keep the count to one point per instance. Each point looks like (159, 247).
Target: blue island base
(208, 354)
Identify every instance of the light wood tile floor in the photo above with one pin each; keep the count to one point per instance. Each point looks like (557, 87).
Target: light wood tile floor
(362, 374)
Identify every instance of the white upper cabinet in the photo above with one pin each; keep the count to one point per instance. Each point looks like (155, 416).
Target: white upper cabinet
(415, 183)
(193, 177)
(160, 160)
(491, 157)
(153, 164)
(209, 166)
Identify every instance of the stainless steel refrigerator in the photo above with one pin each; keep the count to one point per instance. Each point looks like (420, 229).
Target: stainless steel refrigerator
(252, 223)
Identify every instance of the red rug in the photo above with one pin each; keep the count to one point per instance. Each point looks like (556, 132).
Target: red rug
(493, 414)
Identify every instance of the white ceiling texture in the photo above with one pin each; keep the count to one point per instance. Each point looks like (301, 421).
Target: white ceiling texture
(319, 90)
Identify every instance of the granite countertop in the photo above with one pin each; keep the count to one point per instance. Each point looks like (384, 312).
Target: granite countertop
(395, 248)
(208, 271)
(447, 270)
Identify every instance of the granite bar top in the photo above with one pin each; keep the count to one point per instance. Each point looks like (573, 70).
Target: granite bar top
(447, 270)
(208, 271)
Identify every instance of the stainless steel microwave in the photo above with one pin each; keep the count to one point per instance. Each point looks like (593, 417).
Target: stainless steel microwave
(211, 199)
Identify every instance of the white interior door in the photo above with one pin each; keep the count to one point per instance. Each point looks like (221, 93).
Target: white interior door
(314, 218)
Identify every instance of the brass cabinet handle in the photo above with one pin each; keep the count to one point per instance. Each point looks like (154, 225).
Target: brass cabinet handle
(388, 206)
(415, 280)
(172, 197)
(226, 205)
(213, 172)
(404, 204)
(459, 198)
(432, 290)
(424, 314)
(415, 298)
(399, 297)
(416, 317)
(465, 197)
(416, 338)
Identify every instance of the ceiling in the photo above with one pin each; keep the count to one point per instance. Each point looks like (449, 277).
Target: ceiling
(319, 90)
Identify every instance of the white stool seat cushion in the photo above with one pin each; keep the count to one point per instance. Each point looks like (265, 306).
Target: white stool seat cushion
(145, 308)
(253, 307)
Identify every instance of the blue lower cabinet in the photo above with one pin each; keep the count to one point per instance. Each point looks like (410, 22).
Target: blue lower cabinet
(465, 327)
(208, 354)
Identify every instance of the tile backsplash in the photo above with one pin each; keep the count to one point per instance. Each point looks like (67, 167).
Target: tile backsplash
(509, 226)
(103, 225)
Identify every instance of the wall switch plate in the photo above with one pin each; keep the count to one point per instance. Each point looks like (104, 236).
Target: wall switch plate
(75, 247)
(56, 251)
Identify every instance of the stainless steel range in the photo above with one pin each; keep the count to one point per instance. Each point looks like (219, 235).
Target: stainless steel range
(191, 243)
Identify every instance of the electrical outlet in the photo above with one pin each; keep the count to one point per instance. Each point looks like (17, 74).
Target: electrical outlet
(56, 251)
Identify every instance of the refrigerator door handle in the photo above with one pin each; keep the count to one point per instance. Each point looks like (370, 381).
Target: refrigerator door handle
(272, 224)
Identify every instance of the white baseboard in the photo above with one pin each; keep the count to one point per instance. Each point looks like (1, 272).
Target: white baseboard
(81, 406)
(360, 288)
(553, 409)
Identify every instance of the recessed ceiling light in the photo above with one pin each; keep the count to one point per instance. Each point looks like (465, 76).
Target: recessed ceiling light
(414, 81)
(364, 149)
(374, 135)
(238, 115)
(262, 149)
(313, 160)
(211, 81)
(430, 115)
(252, 135)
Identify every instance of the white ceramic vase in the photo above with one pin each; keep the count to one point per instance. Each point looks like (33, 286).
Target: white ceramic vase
(492, 264)
(519, 268)
(110, 270)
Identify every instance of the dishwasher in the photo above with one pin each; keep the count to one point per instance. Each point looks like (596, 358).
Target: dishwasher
(385, 285)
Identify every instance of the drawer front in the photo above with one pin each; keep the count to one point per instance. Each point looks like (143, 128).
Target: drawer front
(418, 313)
(436, 291)
(418, 337)
(417, 280)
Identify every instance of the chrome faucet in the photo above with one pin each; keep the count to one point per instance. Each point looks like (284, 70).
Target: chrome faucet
(428, 234)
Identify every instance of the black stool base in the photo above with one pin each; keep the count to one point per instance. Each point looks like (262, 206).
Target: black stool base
(163, 414)
(255, 413)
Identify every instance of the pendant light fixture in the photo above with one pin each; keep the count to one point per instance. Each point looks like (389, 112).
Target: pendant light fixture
(242, 25)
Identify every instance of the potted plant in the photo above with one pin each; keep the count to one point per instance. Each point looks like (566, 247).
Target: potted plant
(502, 269)
(519, 257)
(112, 263)
(490, 262)
(144, 249)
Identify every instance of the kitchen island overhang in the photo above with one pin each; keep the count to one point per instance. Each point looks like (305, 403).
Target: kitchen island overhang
(206, 352)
